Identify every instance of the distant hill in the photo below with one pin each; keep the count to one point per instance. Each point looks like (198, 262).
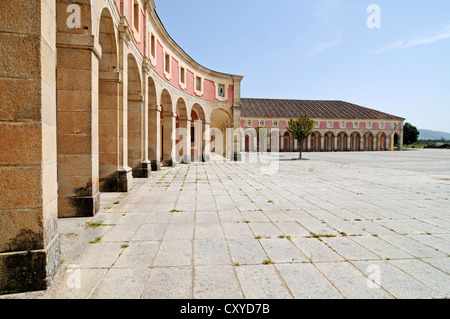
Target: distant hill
(433, 135)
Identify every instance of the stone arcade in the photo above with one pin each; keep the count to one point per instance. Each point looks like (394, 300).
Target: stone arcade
(125, 100)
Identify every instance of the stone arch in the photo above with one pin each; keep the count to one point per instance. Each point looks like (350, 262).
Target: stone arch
(328, 142)
(198, 133)
(287, 142)
(381, 142)
(167, 129)
(316, 142)
(342, 142)
(183, 133)
(368, 141)
(154, 125)
(220, 121)
(250, 140)
(135, 136)
(108, 93)
(355, 141)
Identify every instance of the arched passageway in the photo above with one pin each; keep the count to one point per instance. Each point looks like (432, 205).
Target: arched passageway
(315, 142)
(368, 141)
(329, 142)
(355, 142)
(167, 129)
(135, 136)
(342, 142)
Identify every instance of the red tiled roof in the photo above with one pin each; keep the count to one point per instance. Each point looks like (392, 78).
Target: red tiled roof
(279, 108)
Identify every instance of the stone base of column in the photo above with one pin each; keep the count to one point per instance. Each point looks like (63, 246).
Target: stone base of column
(27, 271)
(78, 206)
(156, 166)
(142, 171)
(120, 182)
(186, 160)
(168, 163)
(236, 157)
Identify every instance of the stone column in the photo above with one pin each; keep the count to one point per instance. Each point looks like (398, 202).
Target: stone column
(77, 117)
(125, 174)
(387, 144)
(108, 131)
(361, 142)
(349, 143)
(207, 139)
(400, 137)
(199, 131)
(29, 242)
(236, 136)
(308, 146)
(322, 143)
(374, 143)
(154, 136)
(335, 144)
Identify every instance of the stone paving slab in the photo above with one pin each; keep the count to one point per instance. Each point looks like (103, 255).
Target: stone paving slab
(339, 225)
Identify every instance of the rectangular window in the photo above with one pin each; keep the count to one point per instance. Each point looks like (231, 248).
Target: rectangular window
(395, 126)
(262, 123)
(167, 63)
(316, 124)
(221, 90)
(136, 15)
(381, 125)
(249, 123)
(182, 75)
(198, 83)
(355, 124)
(275, 123)
(330, 124)
(342, 124)
(153, 45)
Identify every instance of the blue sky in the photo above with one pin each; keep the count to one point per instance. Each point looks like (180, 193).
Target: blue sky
(323, 49)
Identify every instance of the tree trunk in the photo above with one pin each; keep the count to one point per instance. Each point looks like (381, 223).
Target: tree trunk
(301, 148)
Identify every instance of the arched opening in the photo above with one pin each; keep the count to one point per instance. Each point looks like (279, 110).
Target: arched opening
(342, 142)
(355, 142)
(183, 133)
(154, 124)
(394, 138)
(368, 142)
(250, 140)
(329, 142)
(198, 130)
(315, 142)
(167, 129)
(288, 142)
(108, 107)
(381, 142)
(134, 119)
(220, 121)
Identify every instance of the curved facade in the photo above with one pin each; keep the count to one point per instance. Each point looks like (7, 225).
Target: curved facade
(129, 100)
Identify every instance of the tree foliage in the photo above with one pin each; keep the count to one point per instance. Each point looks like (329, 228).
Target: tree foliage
(301, 128)
(410, 134)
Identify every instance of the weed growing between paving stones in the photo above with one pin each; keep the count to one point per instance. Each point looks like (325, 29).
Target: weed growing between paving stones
(96, 240)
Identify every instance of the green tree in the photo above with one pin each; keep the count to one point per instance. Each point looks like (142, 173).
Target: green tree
(301, 128)
(410, 134)
(261, 137)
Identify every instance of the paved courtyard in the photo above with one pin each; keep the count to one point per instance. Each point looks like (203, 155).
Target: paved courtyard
(338, 225)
